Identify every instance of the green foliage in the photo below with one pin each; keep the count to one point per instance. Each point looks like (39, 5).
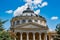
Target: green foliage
(2, 24)
(4, 35)
(58, 32)
(58, 29)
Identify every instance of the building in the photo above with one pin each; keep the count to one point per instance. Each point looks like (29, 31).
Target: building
(29, 26)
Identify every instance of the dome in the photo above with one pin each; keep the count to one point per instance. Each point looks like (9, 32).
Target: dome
(28, 10)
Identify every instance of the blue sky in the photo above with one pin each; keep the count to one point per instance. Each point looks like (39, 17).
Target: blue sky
(51, 12)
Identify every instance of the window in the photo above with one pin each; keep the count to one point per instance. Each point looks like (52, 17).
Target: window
(29, 20)
(23, 21)
(36, 20)
(13, 23)
(18, 22)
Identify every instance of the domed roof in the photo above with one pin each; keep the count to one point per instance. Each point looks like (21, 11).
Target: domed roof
(28, 10)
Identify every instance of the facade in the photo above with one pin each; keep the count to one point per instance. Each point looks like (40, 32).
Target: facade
(29, 26)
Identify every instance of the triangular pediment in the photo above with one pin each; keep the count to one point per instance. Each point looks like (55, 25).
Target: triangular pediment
(30, 25)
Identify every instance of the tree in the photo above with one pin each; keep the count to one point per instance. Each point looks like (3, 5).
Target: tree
(58, 31)
(1, 24)
(4, 35)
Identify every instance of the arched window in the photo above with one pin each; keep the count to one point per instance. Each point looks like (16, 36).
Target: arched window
(29, 20)
(13, 23)
(18, 22)
(23, 21)
(36, 20)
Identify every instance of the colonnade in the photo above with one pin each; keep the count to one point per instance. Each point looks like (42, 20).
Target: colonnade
(31, 36)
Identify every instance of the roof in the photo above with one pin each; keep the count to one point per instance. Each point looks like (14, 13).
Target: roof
(28, 10)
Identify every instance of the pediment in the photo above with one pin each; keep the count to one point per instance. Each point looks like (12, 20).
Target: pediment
(30, 26)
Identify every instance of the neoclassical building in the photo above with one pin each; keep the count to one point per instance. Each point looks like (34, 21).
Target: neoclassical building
(29, 26)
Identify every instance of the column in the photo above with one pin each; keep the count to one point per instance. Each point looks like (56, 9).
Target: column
(15, 39)
(45, 37)
(39, 36)
(27, 36)
(21, 36)
(49, 37)
(33, 36)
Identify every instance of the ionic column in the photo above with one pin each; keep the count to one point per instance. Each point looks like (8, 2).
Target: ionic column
(27, 36)
(49, 37)
(39, 36)
(45, 37)
(33, 36)
(21, 36)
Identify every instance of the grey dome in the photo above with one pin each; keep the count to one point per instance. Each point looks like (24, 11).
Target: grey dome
(28, 10)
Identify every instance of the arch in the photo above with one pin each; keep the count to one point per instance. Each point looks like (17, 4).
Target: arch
(17, 22)
(18, 36)
(30, 36)
(24, 36)
(36, 36)
(42, 36)
(29, 20)
(23, 21)
(47, 37)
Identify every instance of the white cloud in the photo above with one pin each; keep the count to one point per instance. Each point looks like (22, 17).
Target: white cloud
(28, 1)
(19, 10)
(37, 2)
(43, 4)
(40, 3)
(54, 18)
(37, 11)
(51, 30)
(9, 11)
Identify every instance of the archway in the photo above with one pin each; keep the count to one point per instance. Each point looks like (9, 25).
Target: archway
(37, 36)
(47, 37)
(30, 36)
(24, 36)
(42, 36)
(18, 36)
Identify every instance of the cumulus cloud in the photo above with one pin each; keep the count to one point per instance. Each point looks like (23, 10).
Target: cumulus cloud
(54, 18)
(9, 11)
(37, 2)
(40, 3)
(43, 4)
(51, 30)
(34, 4)
(19, 10)
(28, 1)
(37, 11)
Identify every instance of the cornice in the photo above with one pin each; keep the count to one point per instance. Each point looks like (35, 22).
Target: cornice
(27, 17)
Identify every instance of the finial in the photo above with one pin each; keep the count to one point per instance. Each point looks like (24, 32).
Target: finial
(28, 6)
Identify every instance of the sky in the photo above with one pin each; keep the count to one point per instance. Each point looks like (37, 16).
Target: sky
(50, 9)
